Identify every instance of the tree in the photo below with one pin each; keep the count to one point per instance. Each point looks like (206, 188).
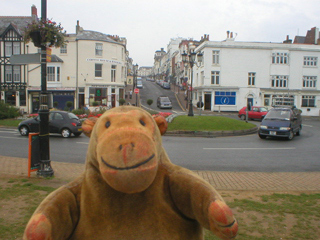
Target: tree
(149, 102)
(69, 105)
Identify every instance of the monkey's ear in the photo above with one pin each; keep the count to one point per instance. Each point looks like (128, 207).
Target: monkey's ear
(88, 125)
(162, 124)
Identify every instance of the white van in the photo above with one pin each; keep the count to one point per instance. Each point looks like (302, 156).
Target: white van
(139, 83)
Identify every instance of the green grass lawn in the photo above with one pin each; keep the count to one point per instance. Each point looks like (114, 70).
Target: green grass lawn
(208, 123)
(261, 216)
(10, 122)
(195, 123)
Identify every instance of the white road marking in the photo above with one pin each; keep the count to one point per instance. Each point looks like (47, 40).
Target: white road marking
(290, 148)
(12, 137)
(82, 142)
(306, 125)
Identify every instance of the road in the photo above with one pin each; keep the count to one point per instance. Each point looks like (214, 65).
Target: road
(243, 153)
(151, 90)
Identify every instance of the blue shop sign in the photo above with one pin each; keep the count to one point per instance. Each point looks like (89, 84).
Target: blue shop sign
(225, 98)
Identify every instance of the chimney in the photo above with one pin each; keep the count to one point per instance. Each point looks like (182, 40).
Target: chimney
(228, 32)
(77, 27)
(316, 35)
(34, 13)
(231, 35)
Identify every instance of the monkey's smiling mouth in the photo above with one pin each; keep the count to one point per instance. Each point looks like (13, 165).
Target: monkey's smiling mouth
(127, 168)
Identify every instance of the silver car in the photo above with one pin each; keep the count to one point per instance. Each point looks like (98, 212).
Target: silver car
(164, 102)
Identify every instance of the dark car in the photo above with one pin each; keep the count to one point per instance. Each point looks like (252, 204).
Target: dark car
(64, 123)
(256, 112)
(281, 121)
(164, 102)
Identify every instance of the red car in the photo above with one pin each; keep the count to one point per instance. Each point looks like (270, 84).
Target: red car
(255, 113)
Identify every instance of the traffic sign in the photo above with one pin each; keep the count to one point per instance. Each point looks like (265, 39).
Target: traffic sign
(136, 90)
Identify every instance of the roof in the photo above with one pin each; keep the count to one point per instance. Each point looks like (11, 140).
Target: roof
(19, 23)
(55, 58)
(299, 39)
(96, 36)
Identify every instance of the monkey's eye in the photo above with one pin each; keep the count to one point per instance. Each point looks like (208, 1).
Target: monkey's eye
(108, 124)
(142, 122)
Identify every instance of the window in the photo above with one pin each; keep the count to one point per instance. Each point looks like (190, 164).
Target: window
(13, 73)
(279, 81)
(215, 75)
(63, 48)
(98, 95)
(98, 70)
(53, 74)
(22, 96)
(287, 100)
(98, 49)
(16, 74)
(308, 101)
(251, 78)
(8, 74)
(215, 57)
(310, 61)
(309, 81)
(202, 78)
(280, 58)
(113, 73)
(12, 48)
(50, 74)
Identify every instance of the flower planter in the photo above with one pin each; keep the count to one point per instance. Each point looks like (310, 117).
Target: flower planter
(36, 38)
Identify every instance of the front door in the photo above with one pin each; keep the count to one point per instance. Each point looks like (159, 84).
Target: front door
(113, 100)
(250, 102)
(207, 101)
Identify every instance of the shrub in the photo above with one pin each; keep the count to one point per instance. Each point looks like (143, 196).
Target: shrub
(55, 104)
(69, 105)
(149, 102)
(95, 104)
(121, 101)
(8, 111)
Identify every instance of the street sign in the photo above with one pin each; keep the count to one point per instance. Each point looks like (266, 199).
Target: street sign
(136, 90)
(25, 59)
(49, 52)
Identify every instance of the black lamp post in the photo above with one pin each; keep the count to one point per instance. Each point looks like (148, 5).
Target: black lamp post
(45, 163)
(135, 72)
(191, 60)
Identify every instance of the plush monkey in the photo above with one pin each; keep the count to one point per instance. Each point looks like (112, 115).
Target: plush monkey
(130, 189)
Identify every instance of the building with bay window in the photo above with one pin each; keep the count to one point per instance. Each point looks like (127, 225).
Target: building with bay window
(90, 69)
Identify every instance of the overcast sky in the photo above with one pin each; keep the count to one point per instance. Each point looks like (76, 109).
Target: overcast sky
(149, 25)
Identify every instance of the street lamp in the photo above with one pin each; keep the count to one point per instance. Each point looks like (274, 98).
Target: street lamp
(135, 72)
(191, 60)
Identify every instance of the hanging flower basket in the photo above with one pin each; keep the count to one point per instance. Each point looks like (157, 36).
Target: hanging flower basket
(36, 38)
(45, 33)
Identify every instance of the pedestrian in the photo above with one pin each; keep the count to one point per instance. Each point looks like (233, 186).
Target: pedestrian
(130, 94)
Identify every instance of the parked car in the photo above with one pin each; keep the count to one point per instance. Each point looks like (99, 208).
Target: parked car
(166, 85)
(65, 123)
(139, 84)
(164, 102)
(281, 121)
(256, 112)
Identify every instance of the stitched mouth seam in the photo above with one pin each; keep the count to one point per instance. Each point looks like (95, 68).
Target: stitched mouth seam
(127, 168)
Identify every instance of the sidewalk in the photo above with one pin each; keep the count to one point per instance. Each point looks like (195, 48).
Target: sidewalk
(239, 181)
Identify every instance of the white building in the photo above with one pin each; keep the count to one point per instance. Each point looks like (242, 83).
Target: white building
(265, 74)
(91, 67)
